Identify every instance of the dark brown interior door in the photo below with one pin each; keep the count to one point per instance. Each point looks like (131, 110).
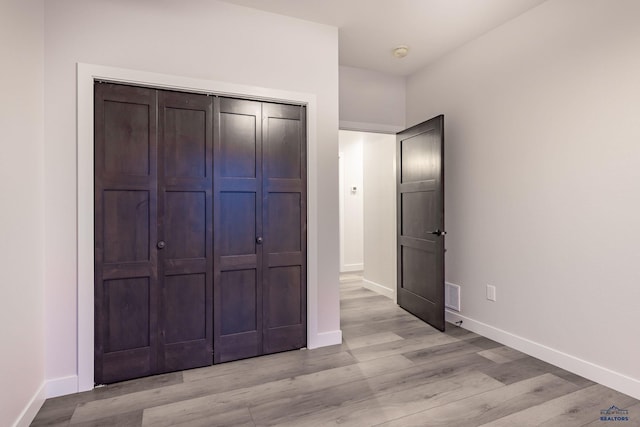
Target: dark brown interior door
(260, 229)
(126, 283)
(153, 231)
(238, 225)
(284, 219)
(420, 189)
(185, 230)
(200, 230)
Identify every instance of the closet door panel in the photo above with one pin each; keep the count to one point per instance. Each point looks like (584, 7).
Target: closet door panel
(238, 225)
(284, 216)
(126, 286)
(185, 232)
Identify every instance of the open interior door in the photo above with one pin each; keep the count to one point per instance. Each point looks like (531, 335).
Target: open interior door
(420, 180)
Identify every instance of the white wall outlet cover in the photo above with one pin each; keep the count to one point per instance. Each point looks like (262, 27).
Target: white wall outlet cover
(491, 293)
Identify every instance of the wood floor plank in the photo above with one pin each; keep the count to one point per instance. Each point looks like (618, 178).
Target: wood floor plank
(417, 331)
(437, 352)
(518, 370)
(399, 347)
(224, 417)
(262, 393)
(488, 406)
(59, 410)
(393, 324)
(206, 386)
(373, 339)
(579, 408)
(385, 406)
(502, 354)
(321, 407)
(130, 419)
(458, 332)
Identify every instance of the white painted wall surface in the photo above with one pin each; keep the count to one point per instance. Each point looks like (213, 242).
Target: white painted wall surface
(371, 101)
(21, 216)
(542, 181)
(352, 243)
(202, 39)
(379, 154)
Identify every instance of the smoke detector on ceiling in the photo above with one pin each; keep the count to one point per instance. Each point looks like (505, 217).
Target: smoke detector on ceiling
(401, 51)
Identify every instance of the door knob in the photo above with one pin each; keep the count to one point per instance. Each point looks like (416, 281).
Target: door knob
(259, 240)
(161, 244)
(438, 232)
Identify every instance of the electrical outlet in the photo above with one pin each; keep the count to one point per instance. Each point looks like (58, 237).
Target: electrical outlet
(491, 293)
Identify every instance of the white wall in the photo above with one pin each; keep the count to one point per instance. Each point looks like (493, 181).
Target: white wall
(543, 182)
(21, 216)
(202, 39)
(379, 156)
(351, 214)
(371, 101)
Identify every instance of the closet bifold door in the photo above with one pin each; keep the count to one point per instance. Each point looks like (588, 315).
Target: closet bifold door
(285, 226)
(153, 231)
(126, 284)
(238, 290)
(185, 230)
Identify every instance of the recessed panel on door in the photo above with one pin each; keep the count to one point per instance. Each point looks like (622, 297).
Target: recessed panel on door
(284, 218)
(420, 157)
(417, 266)
(239, 302)
(185, 224)
(238, 145)
(284, 150)
(186, 318)
(415, 223)
(185, 143)
(285, 289)
(125, 225)
(237, 232)
(126, 148)
(127, 312)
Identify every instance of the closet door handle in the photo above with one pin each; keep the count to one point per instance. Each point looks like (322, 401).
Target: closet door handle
(259, 240)
(161, 244)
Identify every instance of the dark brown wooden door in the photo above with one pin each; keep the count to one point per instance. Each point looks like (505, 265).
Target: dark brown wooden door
(284, 223)
(420, 189)
(153, 231)
(260, 229)
(185, 230)
(238, 225)
(126, 282)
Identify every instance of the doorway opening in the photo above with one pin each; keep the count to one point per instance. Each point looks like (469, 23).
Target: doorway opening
(367, 169)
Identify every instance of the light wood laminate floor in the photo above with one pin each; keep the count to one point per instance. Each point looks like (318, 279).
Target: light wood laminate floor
(391, 370)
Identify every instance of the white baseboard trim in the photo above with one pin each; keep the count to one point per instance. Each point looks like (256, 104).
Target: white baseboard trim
(377, 287)
(348, 268)
(586, 369)
(324, 339)
(31, 410)
(61, 386)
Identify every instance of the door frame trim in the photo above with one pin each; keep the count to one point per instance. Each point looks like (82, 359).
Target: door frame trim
(86, 75)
